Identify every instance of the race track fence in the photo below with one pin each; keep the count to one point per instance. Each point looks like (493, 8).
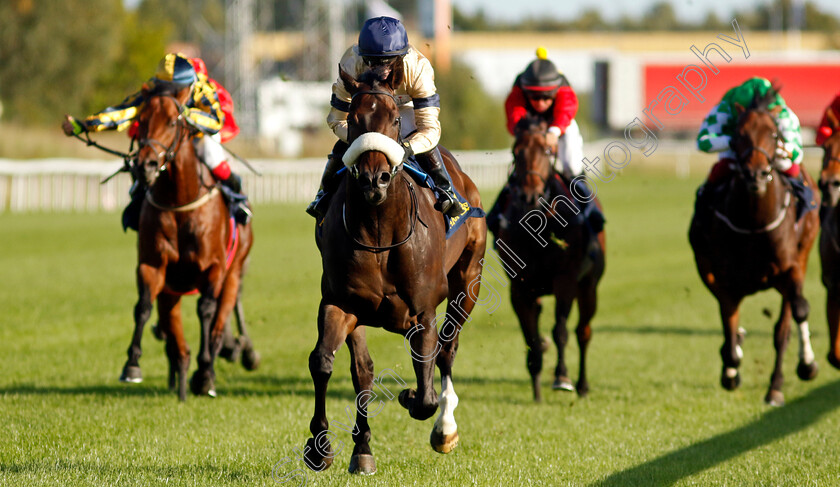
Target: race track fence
(73, 185)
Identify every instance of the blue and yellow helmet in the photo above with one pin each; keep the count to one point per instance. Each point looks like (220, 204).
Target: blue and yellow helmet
(175, 70)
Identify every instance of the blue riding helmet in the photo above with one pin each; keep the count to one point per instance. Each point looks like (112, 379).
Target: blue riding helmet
(382, 37)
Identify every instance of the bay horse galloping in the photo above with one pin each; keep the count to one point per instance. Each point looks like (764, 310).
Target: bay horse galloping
(387, 263)
(186, 241)
(562, 256)
(830, 236)
(750, 240)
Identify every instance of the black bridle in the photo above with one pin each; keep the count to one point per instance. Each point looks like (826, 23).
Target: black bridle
(354, 172)
(519, 156)
(743, 156)
(168, 152)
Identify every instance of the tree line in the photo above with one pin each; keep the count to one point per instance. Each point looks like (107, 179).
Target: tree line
(774, 15)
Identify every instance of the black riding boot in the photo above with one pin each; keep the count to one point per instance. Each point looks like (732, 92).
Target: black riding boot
(234, 182)
(592, 215)
(131, 213)
(446, 203)
(318, 207)
(238, 203)
(805, 201)
(494, 217)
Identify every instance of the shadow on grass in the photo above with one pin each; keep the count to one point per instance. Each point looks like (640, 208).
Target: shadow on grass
(260, 385)
(673, 330)
(773, 425)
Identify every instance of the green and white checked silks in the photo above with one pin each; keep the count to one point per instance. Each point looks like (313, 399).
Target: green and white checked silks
(718, 126)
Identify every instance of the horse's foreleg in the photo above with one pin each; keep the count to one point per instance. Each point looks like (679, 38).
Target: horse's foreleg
(564, 293)
(781, 336)
(361, 369)
(150, 282)
(177, 350)
(333, 327)
(587, 304)
(731, 351)
(833, 317)
(425, 347)
(527, 309)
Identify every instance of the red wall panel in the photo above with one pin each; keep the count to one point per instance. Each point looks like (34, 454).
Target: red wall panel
(807, 88)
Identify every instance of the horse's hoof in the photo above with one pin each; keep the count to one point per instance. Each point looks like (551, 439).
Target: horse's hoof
(362, 465)
(833, 360)
(562, 383)
(202, 384)
(774, 398)
(807, 371)
(582, 389)
(443, 443)
(158, 332)
(231, 353)
(314, 459)
(131, 374)
(406, 395)
(730, 379)
(251, 359)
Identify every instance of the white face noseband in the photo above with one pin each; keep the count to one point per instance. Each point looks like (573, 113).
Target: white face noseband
(374, 141)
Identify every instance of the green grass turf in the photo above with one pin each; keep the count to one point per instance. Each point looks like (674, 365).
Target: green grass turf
(656, 414)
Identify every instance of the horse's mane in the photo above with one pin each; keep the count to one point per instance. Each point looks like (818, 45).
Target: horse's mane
(528, 123)
(763, 102)
(372, 79)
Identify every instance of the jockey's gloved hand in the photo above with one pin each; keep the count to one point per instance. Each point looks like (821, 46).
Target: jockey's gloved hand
(71, 126)
(552, 136)
(781, 151)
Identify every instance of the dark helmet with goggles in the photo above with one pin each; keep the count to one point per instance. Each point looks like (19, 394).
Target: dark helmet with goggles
(382, 37)
(541, 75)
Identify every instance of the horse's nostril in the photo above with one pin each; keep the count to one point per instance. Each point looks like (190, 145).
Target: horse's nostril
(385, 178)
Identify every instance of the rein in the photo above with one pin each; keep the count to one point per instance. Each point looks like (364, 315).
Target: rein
(375, 249)
(188, 207)
(770, 226)
(127, 157)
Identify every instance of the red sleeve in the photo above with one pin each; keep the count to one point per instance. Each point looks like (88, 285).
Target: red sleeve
(515, 108)
(565, 108)
(824, 131)
(229, 127)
